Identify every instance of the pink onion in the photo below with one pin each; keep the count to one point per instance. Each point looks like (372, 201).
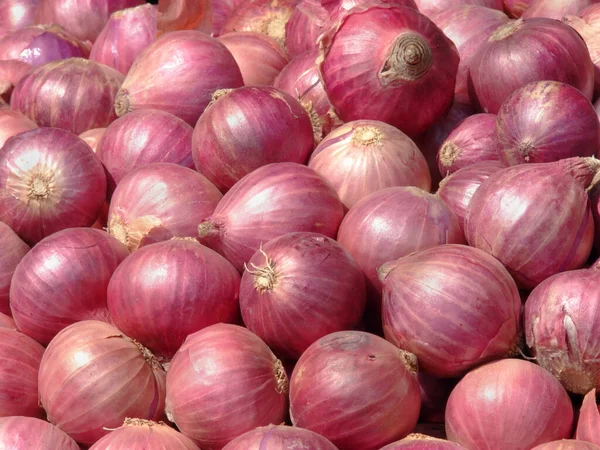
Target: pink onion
(13, 251)
(431, 8)
(165, 75)
(526, 50)
(221, 10)
(588, 425)
(506, 404)
(248, 128)
(567, 444)
(515, 8)
(92, 137)
(11, 72)
(126, 34)
(12, 123)
(274, 200)
(279, 437)
(555, 9)
(160, 201)
(364, 156)
(404, 74)
(306, 24)
(349, 387)
(174, 15)
(219, 370)
(26, 433)
(434, 396)
(422, 442)
(49, 180)
(7, 322)
(92, 377)
(15, 14)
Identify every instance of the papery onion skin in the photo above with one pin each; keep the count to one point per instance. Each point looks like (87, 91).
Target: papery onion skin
(588, 424)
(219, 369)
(12, 123)
(249, 128)
(555, 9)
(515, 8)
(15, 14)
(431, 8)
(422, 442)
(92, 137)
(13, 251)
(509, 403)
(165, 75)
(160, 201)
(26, 433)
(49, 180)
(279, 437)
(7, 322)
(95, 362)
(11, 72)
(174, 15)
(567, 444)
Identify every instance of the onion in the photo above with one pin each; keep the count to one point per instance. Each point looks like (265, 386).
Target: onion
(306, 24)
(515, 8)
(49, 180)
(11, 72)
(422, 442)
(431, 8)
(160, 201)
(13, 251)
(259, 57)
(92, 377)
(15, 14)
(363, 376)
(174, 15)
(26, 433)
(165, 75)
(279, 437)
(20, 358)
(434, 396)
(404, 74)
(92, 137)
(274, 200)
(567, 444)
(526, 50)
(248, 128)
(126, 34)
(219, 370)
(555, 9)
(221, 10)
(364, 156)
(588, 425)
(545, 121)
(7, 322)
(508, 404)
(12, 123)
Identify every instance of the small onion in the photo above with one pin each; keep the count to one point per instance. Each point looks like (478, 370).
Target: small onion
(422, 442)
(12, 123)
(431, 8)
(219, 370)
(567, 444)
(588, 425)
(11, 72)
(279, 437)
(555, 9)
(508, 404)
(13, 251)
(15, 14)
(92, 137)
(515, 8)
(27, 433)
(7, 322)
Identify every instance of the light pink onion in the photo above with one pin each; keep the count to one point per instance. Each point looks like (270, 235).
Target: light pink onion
(92, 137)
(279, 437)
(431, 8)
(515, 8)
(219, 370)
(7, 322)
(13, 251)
(15, 14)
(422, 442)
(12, 123)
(11, 72)
(221, 10)
(555, 9)
(567, 444)
(26, 433)
(588, 425)
(174, 15)
(160, 201)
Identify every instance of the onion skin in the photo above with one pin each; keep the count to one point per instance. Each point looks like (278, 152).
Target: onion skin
(515, 8)
(15, 14)
(249, 128)
(219, 369)
(13, 251)
(174, 15)
(432, 8)
(422, 442)
(165, 75)
(12, 123)
(49, 180)
(160, 201)
(7, 322)
(364, 156)
(509, 403)
(588, 425)
(117, 377)
(26, 433)
(221, 10)
(279, 437)
(11, 72)
(555, 9)
(567, 444)
(92, 137)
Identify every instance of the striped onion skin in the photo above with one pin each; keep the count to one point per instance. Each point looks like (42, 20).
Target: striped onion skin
(280, 437)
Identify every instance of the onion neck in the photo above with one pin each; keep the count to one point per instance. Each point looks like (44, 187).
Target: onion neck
(593, 165)
(410, 361)
(524, 149)
(149, 357)
(274, 26)
(281, 378)
(208, 230)
(367, 136)
(218, 94)
(421, 437)
(504, 31)
(134, 422)
(409, 59)
(118, 229)
(264, 277)
(122, 105)
(40, 186)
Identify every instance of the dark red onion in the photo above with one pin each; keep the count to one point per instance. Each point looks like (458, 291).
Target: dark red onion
(12, 123)
(165, 75)
(515, 8)
(160, 201)
(49, 180)
(92, 137)
(588, 425)
(220, 369)
(13, 251)
(15, 14)
(7, 322)
(174, 15)
(279, 437)
(422, 442)
(11, 72)
(221, 10)
(555, 9)
(26, 433)
(431, 8)
(434, 396)
(248, 128)
(567, 444)
(506, 404)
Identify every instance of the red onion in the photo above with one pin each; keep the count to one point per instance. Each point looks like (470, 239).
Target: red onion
(364, 156)
(434, 396)
(15, 14)
(7, 322)
(362, 375)
(13, 251)
(219, 370)
(528, 50)
(588, 425)
(165, 75)
(545, 121)
(92, 377)
(11, 72)
(92, 137)
(259, 56)
(26, 433)
(20, 358)
(221, 10)
(555, 9)
(174, 15)
(248, 128)
(49, 180)
(160, 201)
(306, 24)
(274, 200)
(567, 444)
(12, 123)
(515, 8)
(431, 8)
(279, 437)
(404, 74)
(508, 404)
(422, 442)
(126, 34)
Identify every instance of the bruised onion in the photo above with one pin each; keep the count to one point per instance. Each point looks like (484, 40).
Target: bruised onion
(12, 123)
(26, 433)
(588, 425)
(13, 251)
(11, 72)
(422, 442)
(92, 137)
(15, 14)
(7, 322)
(279, 437)
(432, 8)
(555, 9)
(567, 444)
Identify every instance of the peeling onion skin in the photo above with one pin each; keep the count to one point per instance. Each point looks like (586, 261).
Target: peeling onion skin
(280, 437)
(26, 433)
(13, 251)
(555, 9)
(92, 137)
(15, 14)
(422, 442)
(567, 444)
(12, 123)
(306, 24)
(11, 72)
(432, 8)
(505, 404)
(588, 425)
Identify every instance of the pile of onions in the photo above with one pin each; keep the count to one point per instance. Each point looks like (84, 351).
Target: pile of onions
(180, 287)
(11, 72)
(50, 180)
(555, 9)
(529, 50)
(364, 156)
(279, 437)
(567, 444)
(508, 404)
(470, 142)
(12, 123)
(219, 370)
(355, 368)
(92, 137)
(546, 121)
(74, 94)
(259, 57)
(15, 14)
(432, 8)
(588, 424)
(13, 251)
(422, 442)
(63, 280)
(515, 8)
(20, 358)
(126, 34)
(92, 377)
(271, 201)
(7, 322)
(26, 433)
(248, 128)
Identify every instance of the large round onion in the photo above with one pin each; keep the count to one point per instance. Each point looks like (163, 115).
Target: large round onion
(588, 424)
(349, 387)
(432, 8)
(555, 9)
(12, 123)
(11, 72)
(279, 437)
(271, 201)
(219, 370)
(166, 75)
(422, 442)
(567, 444)
(15, 14)
(13, 251)
(92, 137)
(249, 128)
(160, 201)
(49, 180)
(508, 404)
(92, 377)
(404, 74)
(26, 433)
(365, 156)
